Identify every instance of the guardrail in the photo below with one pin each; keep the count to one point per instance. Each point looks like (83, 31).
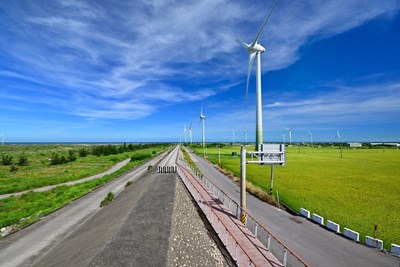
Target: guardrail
(230, 242)
(260, 231)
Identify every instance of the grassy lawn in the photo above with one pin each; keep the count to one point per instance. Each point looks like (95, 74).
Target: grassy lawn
(40, 173)
(356, 191)
(24, 209)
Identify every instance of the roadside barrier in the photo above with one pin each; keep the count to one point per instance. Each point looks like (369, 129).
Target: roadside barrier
(166, 169)
(260, 231)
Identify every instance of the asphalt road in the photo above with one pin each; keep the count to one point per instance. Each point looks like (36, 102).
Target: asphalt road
(133, 230)
(314, 244)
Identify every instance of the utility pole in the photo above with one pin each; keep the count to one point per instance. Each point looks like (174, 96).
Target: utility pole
(243, 184)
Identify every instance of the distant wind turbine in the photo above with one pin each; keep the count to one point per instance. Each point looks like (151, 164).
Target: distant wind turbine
(202, 119)
(255, 49)
(290, 135)
(245, 137)
(190, 133)
(311, 140)
(338, 136)
(340, 144)
(184, 133)
(233, 137)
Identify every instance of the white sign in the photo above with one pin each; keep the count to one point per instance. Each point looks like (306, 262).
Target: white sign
(269, 154)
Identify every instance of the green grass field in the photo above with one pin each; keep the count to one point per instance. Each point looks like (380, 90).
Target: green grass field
(40, 173)
(24, 209)
(356, 191)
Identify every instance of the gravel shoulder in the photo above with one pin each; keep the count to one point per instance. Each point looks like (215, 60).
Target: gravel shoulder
(192, 241)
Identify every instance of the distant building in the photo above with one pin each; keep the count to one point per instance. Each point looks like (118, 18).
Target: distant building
(354, 144)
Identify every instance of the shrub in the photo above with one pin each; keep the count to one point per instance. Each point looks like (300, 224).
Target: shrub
(23, 160)
(139, 157)
(14, 168)
(6, 159)
(71, 155)
(55, 159)
(110, 196)
(83, 152)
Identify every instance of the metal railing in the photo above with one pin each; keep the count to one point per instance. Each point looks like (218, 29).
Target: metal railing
(260, 231)
(238, 253)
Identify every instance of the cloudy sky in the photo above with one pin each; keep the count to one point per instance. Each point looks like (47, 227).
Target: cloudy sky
(140, 70)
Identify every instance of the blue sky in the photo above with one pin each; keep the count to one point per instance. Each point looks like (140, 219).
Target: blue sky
(126, 71)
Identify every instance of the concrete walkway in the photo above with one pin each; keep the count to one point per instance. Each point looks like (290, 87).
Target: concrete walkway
(49, 187)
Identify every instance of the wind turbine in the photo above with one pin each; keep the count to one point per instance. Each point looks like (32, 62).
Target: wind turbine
(245, 137)
(190, 133)
(310, 133)
(290, 135)
(233, 137)
(202, 119)
(184, 133)
(255, 49)
(340, 144)
(338, 136)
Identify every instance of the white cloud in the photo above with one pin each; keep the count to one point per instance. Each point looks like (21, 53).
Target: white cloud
(129, 52)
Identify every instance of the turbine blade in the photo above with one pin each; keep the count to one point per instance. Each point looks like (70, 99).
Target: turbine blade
(246, 46)
(251, 60)
(265, 22)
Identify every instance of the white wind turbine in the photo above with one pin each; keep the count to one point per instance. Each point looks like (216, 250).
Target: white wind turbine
(202, 119)
(245, 136)
(310, 133)
(233, 137)
(255, 50)
(184, 133)
(340, 144)
(338, 136)
(290, 135)
(190, 133)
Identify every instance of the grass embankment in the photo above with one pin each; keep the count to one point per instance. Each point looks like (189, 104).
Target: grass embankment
(356, 191)
(27, 208)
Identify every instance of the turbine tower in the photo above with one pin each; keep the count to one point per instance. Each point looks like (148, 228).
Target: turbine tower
(338, 136)
(290, 135)
(311, 141)
(233, 137)
(245, 137)
(202, 119)
(190, 133)
(184, 133)
(255, 49)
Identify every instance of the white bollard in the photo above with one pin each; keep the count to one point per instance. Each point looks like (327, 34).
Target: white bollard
(318, 219)
(395, 249)
(373, 242)
(333, 226)
(305, 213)
(351, 234)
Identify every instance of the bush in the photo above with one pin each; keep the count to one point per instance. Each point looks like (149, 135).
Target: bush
(71, 156)
(14, 168)
(23, 160)
(110, 196)
(6, 159)
(83, 152)
(55, 159)
(139, 157)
